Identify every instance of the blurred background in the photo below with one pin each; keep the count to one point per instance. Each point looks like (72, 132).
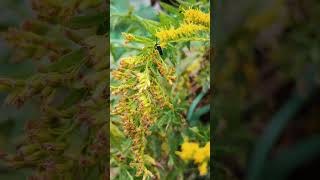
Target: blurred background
(266, 89)
(12, 13)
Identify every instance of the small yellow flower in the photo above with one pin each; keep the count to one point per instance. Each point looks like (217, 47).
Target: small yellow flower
(188, 149)
(203, 170)
(128, 37)
(200, 155)
(207, 150)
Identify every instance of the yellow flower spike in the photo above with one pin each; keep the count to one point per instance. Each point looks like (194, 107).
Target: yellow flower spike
(203, 170)
(185, 30)
(196, 16)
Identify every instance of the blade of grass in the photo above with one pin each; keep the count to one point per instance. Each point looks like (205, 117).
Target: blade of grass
(289, 159)
(194, 104)
(277, 124)
(203, 110)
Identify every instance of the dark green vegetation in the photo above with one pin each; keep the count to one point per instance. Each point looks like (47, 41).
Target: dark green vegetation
(266, 84)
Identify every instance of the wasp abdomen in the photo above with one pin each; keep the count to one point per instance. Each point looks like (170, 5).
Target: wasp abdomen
(159, 49)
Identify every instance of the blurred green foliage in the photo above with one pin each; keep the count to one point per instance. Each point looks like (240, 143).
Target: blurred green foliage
(266, 81)
(55, 76)
(12, 13)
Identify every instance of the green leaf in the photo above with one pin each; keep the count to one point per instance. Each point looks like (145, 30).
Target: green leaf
(147, 12)
(120, 6)
(167, 20)
(67, 61)
(278, 123)
(289, 159)
(194, 104)
(115, 131)
(125, 175)
(270, 135)
(73, 97)
(86, 21)
(201, 111)
(170, 8)
(143, 39)
(150, 25)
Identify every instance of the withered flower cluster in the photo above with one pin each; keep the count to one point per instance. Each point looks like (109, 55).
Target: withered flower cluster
(143, 98)
(67, 43)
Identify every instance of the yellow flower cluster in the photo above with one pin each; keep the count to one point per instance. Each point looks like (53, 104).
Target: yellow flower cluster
(194, 21)
(200, 155)
(196, 16)
(185, 30)
(129, 62)
(144, 81)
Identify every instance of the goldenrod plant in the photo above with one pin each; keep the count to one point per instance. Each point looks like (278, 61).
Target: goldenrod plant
(159, 91)
(66, 41)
